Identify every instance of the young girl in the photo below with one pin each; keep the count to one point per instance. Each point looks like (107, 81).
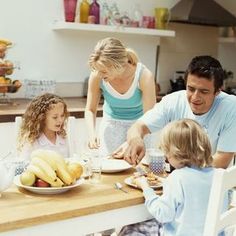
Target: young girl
(128, 89)
(43, 126)
(182, 207)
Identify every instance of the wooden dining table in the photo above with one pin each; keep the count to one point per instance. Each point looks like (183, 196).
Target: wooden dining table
(85, 209)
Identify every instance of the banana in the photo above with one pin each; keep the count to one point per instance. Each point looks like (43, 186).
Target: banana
(64, 174)
(56, 163)
(43, 175)
(5, 42)
(45, 156)
(44, 166)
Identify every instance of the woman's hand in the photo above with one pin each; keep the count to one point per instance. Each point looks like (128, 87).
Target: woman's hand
(94, 142)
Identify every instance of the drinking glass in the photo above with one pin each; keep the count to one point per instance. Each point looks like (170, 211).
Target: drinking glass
(162, 17)
(70, 10)
(156, 160)
(96, 166)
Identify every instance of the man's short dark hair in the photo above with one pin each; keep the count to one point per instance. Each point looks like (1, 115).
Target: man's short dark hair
(206, 67)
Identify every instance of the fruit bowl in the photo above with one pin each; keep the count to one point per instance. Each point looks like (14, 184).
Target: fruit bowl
(10, 88)
(47, 190)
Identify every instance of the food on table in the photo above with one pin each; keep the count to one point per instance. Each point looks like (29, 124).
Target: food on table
(51, 168)
(152, 179)
(75, 169)
(27, 178)
(41, 184)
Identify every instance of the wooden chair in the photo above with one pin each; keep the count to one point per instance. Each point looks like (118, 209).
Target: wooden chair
(216, 220)
(70, 129)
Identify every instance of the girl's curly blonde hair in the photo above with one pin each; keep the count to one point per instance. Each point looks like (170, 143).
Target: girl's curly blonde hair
(186, 141)
(111, 53)
(33, 121)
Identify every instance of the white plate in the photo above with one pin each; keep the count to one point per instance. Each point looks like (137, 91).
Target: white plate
(145, 161)
(129, 182)
(49, 190)
(114, 165)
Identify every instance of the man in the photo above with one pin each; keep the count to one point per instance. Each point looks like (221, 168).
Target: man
(202, 101)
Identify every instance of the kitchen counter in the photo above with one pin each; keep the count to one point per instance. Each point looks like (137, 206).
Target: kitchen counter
(28, 211)
(76, 107)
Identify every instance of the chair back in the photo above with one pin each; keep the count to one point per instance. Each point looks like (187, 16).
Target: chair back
(216, 220)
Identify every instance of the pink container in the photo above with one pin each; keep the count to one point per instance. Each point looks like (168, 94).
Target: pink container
(69, 10)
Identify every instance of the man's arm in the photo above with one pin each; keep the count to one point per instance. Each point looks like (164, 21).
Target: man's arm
(134, 149)
(222, 159)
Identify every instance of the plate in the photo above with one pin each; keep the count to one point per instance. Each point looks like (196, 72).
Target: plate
(145, 161)
(49, 190)
(128, 181)
(114, 165)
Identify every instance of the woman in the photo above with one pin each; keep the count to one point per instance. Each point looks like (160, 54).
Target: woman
(128, 89)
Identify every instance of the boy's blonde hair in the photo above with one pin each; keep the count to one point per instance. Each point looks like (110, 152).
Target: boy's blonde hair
(186, 141)
(33, 121)
(112, 54)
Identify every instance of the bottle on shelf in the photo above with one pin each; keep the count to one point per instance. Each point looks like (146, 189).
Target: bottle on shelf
(124, 19)
(84, 11)
(104, 13)
(137, 15)
(115, 15)
(95, 11)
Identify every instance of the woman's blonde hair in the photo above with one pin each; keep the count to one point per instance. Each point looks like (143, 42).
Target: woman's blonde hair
(33, 121)
(186, 141)
(112, 54)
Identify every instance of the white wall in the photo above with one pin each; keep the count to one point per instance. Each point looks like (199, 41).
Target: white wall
(47, 54)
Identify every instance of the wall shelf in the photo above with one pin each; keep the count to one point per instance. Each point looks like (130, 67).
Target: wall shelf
(61, 25)
(227, 40)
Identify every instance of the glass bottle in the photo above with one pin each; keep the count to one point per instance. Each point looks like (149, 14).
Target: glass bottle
(95, 11)
(84, 11)
(104, 13)
(138, 15)
(115, 14)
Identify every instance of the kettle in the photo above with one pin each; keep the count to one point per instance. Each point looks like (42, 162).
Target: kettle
(7, 173)
(178, 82)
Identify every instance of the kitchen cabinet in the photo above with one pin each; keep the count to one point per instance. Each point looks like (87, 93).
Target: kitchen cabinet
(62, 26)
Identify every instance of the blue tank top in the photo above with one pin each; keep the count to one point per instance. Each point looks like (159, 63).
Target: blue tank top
(126, 106)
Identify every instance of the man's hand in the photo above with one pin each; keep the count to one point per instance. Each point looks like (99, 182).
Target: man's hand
(132, 152)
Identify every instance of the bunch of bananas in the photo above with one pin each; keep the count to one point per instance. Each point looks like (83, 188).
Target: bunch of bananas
(50, 167)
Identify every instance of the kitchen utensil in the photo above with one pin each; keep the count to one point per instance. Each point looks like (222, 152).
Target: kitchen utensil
(140, 170)
(119, 186)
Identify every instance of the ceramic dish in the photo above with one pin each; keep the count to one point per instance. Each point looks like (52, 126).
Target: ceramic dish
(49, 190)
(114, 165)
(129, 182)
(145, 161)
